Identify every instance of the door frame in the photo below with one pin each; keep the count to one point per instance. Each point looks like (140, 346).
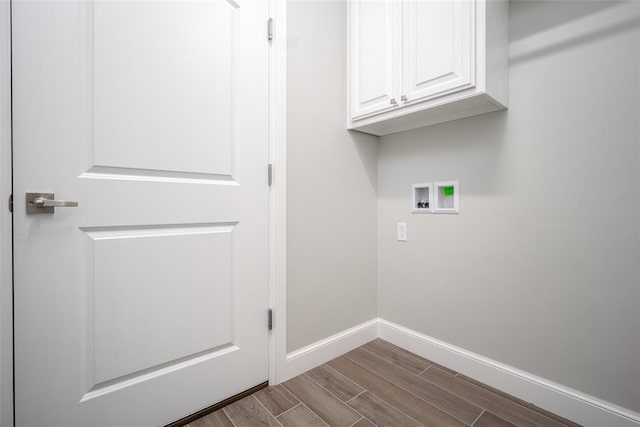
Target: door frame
(277, 205)
(278, 192)
(6, 237)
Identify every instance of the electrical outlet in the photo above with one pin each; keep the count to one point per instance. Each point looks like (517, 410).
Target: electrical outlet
(402, 232)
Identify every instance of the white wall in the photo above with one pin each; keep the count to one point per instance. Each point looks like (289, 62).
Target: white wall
(541, 268)
(331, 183)
(6, 314)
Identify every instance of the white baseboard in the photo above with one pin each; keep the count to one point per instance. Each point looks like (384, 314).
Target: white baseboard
(559, 399)
(316, 354)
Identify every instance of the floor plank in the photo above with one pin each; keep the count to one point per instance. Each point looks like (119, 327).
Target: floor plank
(335, 382)
(380, 383)
(406, 402)
(401, 356)
(301, 416)
(522, 402)
(448, 402)
(328, 407)
(487, 419)
(389, 352)
(504, 408)
(364, 423)
(214, 419)
(248, 412)
(380, 412)
(276, 399)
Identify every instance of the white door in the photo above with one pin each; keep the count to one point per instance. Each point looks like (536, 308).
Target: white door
(148, 300)
(438, 47)
(374, 45)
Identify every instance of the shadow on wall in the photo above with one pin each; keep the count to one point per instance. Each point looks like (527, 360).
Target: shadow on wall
(529, 17)
(367, 147)
(536, 32)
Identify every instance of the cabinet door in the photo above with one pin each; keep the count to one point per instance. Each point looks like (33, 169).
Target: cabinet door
(374, 54)
(438, 47)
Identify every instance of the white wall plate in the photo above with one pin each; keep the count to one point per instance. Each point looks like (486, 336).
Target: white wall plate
(446, 197)
(422, 199)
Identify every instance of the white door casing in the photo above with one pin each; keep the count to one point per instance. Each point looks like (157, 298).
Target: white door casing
(148, 301)
(438, 47)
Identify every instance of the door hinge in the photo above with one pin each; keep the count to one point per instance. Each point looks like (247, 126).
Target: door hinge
(270, 319)
(270, 174)
(11, 203)
(270, 29)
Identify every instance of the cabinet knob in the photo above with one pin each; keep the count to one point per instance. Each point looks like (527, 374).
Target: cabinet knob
(403, 98)
(393, 101)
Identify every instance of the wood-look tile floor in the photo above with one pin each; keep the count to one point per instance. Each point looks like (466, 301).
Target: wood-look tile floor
(380, 384)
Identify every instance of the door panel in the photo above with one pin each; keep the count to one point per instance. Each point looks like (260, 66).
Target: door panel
(438, 47)
(374, 46)
(178, 297)
(148, 301)
(158, 77)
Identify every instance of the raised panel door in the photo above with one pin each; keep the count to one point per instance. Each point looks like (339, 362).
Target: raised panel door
(148, 301)
(374, 56)
(438, 48)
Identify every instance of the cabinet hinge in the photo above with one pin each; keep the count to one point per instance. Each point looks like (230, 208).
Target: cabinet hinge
(270, 320)
(270, 174)
(11, 203)
(270, 29)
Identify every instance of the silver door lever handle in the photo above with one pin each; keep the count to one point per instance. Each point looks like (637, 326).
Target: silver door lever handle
(48, 203)
(44, 203)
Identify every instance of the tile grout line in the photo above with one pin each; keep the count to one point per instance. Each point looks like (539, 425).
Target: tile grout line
(422, 372)
(397, 409)
(476, 420)
(265, 408)
(363, 391)
(515, 403)
(415, 395)
(224, 411)
(468, 401)
(391, 363)
(368, 420)
(325, 389)
(430, 363)
(293, 394)
(290, 409)
(310, 410)
(440, 367)
(286, 391)
(512, 399)
(319, 417)
(345, 377)
(319, 385)
(394, 406)
(339, 400)
(460, 397)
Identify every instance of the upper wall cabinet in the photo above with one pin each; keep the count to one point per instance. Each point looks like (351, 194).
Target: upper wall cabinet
(413, 63)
